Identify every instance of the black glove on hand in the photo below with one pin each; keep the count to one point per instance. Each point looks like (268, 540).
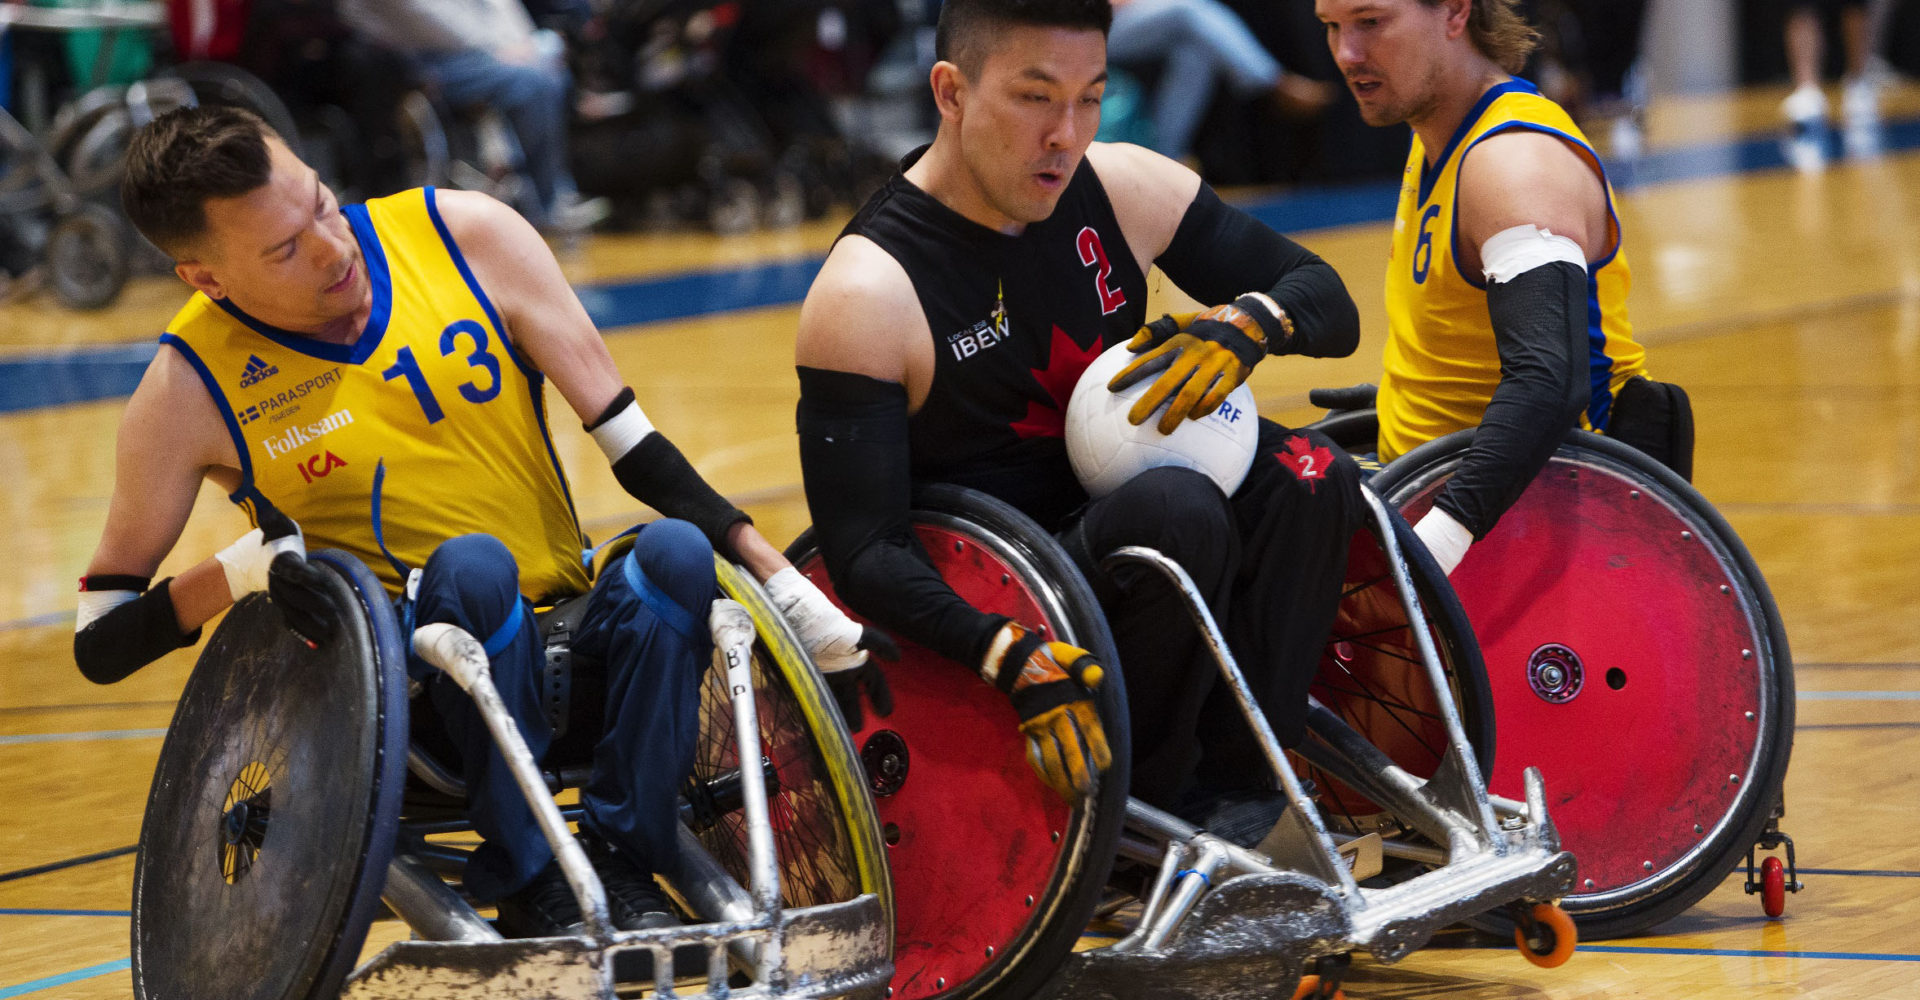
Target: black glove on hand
(299, 589)
(848, 684)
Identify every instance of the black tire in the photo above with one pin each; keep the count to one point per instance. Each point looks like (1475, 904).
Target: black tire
(1736, 598)
(88, 255)
(275, 805)
(1062, 911)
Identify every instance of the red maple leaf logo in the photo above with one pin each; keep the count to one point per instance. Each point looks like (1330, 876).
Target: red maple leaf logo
(1065, 361)
(1306, 462)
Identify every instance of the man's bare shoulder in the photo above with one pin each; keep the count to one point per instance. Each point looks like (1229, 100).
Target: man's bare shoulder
(1150, 193)
(172, 407)
(861, 313)
(476, 219)
(1528, 177)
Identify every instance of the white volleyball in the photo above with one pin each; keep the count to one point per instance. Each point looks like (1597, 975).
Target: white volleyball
(1106, 450)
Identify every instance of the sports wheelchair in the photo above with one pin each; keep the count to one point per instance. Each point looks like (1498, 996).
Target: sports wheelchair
(281, 817)
(997, 878)
(1635, 656)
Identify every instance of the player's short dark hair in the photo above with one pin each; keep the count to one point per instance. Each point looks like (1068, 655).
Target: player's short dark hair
(1501, 32)
(184, 157)
(966, 25)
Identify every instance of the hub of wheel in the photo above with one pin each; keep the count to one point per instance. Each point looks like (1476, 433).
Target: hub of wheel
(243, 821)
(886, 761)
(1555, 673)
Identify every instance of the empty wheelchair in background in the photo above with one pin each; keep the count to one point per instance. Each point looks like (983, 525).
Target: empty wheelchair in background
(1635, 656)
(996, 878)
(280, 820)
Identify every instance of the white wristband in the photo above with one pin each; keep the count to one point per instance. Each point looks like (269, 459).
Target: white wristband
(247, 560)
(618, 435)
(1445, 537)
(829, 636)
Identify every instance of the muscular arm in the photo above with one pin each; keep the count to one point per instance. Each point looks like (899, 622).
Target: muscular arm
(547, 323)
(1216, 253)
(171, 436)
(865, 358)
(1539, 317)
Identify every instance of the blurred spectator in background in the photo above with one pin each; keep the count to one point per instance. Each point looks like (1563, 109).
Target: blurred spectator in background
(1806, 108)
(488, 51)
(1197, 42)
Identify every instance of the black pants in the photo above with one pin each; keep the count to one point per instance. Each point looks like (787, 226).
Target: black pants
(1269, 561)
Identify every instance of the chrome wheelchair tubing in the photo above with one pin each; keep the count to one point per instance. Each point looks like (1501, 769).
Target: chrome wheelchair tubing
(733, 641)
(415, 892)
(461, 656)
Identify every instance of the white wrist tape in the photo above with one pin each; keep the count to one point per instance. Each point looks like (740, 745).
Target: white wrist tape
(247, 560)
(617, 436)
(1445, 537)
(94, 605)
(1510, 253)
(828, 634)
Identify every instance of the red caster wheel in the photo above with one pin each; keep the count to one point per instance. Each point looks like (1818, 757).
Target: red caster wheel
(1773, 887)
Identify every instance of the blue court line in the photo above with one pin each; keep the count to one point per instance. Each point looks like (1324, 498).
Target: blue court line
(1863, 872)
(83, 737)
(1859, 696)
(10, 912)
(1851, 956)
(32, 382)
(90, 972)
(1802, 728)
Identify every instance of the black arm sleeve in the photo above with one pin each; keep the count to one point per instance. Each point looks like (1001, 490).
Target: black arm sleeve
(655, 473)
(1220, 253)
(854, 461)
(1540, 329)
(130, 636)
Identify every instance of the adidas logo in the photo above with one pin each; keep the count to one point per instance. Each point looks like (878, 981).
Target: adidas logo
(257, 371)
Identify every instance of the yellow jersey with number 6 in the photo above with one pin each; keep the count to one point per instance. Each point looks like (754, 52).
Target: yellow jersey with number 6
(430, 425)
(1441, 365)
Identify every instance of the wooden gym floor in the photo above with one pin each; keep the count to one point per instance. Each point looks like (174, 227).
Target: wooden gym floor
(1787, 304)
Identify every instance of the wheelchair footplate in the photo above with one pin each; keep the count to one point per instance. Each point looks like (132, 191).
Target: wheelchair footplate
(1222, 921)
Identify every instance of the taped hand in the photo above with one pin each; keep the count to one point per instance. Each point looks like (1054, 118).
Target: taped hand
(1051, 685)
(273, 558)
(840, 646)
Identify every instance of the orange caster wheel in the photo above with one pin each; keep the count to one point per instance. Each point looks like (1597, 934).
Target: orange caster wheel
(1545, 935)
(1773, 887)
(1309, 989)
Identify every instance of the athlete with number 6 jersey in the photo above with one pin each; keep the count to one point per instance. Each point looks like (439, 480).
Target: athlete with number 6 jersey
(379, 371)
(940, 344)
(1507, 286)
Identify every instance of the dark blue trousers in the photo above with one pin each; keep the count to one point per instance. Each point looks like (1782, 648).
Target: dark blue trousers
(646, 620)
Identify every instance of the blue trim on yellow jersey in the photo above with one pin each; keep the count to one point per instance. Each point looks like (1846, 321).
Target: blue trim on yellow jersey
(536, 380)
(1599, 365)
(375, 260)
(473, 283)
(1430, 172)
(246, 490)
(1606, 191)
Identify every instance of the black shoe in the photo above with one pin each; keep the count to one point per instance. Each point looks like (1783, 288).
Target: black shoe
(544, 907)
(634, 900)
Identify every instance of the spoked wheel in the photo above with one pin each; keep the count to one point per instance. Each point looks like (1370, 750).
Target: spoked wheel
(1635, 656)
(995, 876)
(825, 832)
(1372, 675)
(275, 805)
(88, 255)
(226, 85)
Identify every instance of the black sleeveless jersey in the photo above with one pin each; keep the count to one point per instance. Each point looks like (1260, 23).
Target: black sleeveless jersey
(1015, 320)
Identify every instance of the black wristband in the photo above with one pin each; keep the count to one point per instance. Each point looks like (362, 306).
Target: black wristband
(1042, 698)
(1014, 660)
(656, 474)
(1279, 332)
(1247, 349)
(613, 409)
(130, 636)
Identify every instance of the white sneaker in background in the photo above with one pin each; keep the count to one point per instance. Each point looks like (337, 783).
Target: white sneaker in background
(1805, 108)
(573, 215)
(1805, 145)
(1860, 101)
(1625, 139)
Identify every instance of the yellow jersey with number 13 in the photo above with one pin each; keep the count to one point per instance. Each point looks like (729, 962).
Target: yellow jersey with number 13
(430, 425)
(1441, 365)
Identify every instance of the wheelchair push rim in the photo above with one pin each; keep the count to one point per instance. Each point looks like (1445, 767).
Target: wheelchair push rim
(275, 804)
(995, 876)
(1636, 657)
(826, 833)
